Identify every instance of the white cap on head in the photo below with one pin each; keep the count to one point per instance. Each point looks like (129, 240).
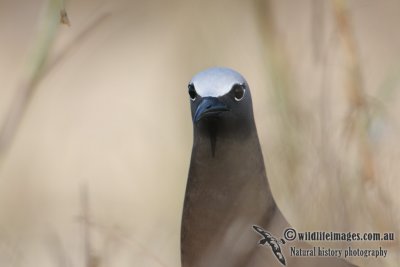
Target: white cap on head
(216, 81)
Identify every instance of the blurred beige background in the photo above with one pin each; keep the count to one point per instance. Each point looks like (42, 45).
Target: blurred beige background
(93, 172)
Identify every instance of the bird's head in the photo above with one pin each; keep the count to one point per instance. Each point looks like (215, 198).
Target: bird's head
(221, 96)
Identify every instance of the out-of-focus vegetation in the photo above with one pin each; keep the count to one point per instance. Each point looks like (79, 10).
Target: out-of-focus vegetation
(95, 130)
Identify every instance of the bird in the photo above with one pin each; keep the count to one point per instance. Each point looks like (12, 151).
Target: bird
(272, 241)
(227, 191)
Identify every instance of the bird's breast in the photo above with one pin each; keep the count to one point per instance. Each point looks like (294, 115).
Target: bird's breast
(226, 194)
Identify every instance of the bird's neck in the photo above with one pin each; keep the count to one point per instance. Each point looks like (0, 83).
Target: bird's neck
(228, 170)
(227, 192)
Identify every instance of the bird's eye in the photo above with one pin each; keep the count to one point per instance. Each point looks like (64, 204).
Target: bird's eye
(192, 92)
(238, 91)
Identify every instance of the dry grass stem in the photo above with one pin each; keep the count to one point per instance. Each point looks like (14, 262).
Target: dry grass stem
(33, 72)
(359, 111)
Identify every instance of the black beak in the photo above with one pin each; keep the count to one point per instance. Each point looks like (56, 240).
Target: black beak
(209, 107)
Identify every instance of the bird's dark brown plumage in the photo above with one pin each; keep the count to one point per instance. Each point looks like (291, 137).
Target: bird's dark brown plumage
(227, 190)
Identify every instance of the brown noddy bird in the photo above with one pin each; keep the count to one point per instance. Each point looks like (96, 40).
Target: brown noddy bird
(227, 192)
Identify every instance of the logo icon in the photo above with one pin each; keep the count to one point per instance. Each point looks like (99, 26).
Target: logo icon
(272, 241)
